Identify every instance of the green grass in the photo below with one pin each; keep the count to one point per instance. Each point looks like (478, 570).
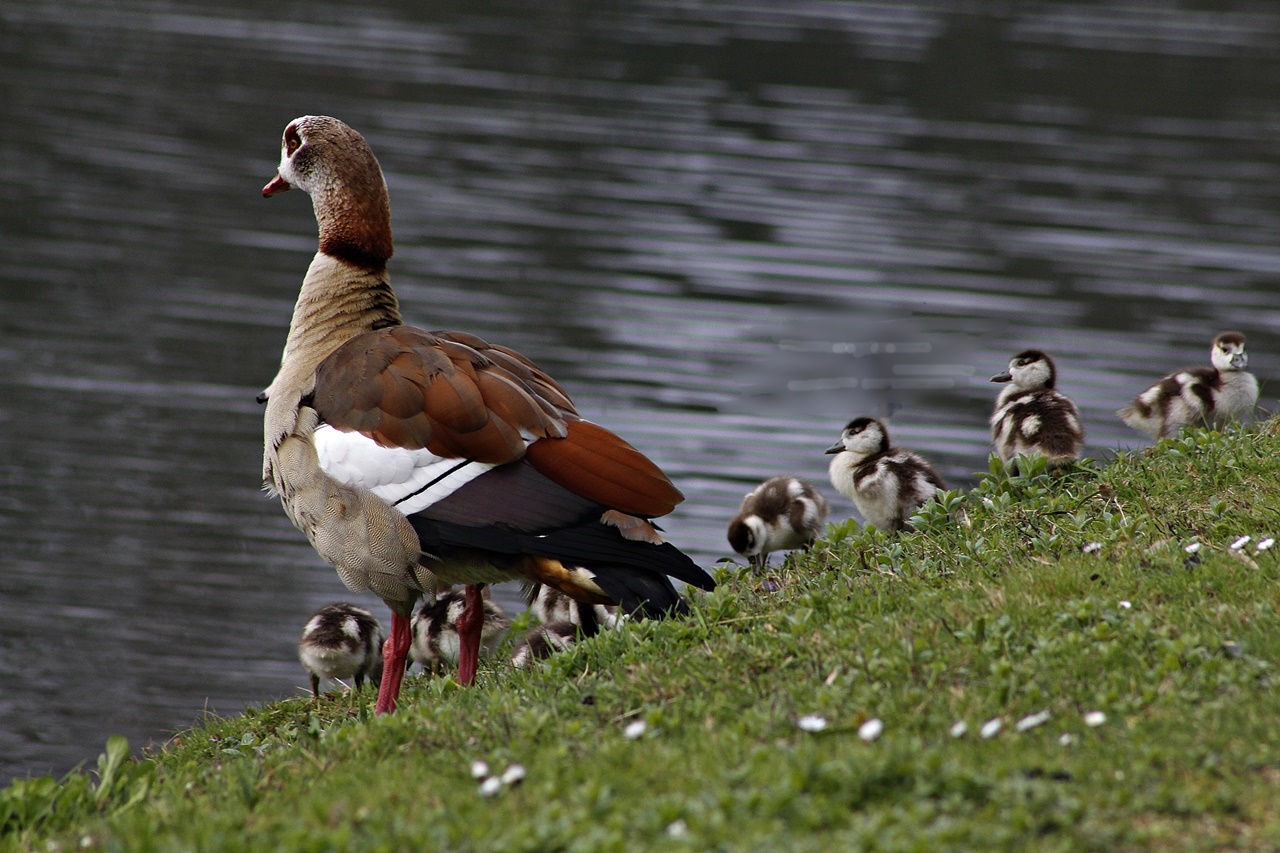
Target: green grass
(990, 610)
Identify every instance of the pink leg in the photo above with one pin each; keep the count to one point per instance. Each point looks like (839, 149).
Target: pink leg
(470, 624)
(395, 652)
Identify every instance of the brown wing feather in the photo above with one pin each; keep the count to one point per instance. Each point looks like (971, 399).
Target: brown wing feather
(600, 466)
(449, 392)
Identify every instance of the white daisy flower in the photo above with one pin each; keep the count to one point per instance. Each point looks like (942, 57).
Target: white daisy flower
(1265, 544)
(1125, 605)
(479, 769)
(959, 728)
(490, 786)
(635, 729)
(991, 727)
(513, 775)
(1092, 548)
(1030, 721)
(1240, 543)
(1093, 719)
(811, 723)
(1193, 548)
(1066, 739)
(871, 729)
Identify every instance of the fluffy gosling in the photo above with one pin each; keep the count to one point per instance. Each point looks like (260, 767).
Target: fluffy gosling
(1031, 417)
(779, 514)
(435, 631)
(1214, 395)
(342, 641)
(887, 485)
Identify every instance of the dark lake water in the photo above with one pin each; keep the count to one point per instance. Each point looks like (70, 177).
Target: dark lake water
(726, 228)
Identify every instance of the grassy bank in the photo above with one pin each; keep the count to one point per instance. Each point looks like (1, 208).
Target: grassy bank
(1134, 684)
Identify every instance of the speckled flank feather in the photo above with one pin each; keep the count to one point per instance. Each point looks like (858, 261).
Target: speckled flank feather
(342, 641)
(887, 485)
(780, 514)
(435, 633)
(1031, 417)
(1212, 396)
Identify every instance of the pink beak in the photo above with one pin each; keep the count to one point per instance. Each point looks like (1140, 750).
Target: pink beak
(276, 185)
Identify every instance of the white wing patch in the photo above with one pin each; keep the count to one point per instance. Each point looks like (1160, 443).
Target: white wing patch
(795, 489)
(409, 480)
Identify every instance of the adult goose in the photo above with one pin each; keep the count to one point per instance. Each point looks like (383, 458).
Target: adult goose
(1031, 416)
(1214, 395)
(413, 459)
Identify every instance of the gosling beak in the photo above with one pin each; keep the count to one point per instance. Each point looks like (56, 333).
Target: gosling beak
(274, 186)
(1002, 377)
(838, 447)
(1240, 361)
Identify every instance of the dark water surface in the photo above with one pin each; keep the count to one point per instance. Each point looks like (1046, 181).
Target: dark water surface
(726, 228)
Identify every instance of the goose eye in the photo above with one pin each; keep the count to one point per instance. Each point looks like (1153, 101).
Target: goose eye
(291, 140)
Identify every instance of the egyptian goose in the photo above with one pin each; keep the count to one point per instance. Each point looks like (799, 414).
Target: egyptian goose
(413, 458)
(779, 514)
(1031, 417)
(435, 630)
(1213, 395)
(341, 641)
(886, 484)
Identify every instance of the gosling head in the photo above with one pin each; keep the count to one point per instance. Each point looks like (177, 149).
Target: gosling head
(1029, 369)
(1228, 352)
(863, 436)
(747, 536)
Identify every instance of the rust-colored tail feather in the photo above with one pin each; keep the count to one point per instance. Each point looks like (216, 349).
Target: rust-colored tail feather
(600, 466)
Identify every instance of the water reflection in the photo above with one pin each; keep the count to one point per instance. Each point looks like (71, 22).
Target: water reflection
(698, 218)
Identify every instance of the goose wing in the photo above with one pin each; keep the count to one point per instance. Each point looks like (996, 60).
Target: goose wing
(416, 416)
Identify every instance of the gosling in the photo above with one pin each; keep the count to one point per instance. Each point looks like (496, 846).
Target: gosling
(1214, 395)
(779, 514)
(544, 641)
(887, 485)
(551, 606)
(564, 622)
(1031, 417)
(342, 641)
(435, 631)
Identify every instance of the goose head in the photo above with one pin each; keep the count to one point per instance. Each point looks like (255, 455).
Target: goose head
(863, 436)
(1228, 352)
(1029, 369)
(333, 164)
